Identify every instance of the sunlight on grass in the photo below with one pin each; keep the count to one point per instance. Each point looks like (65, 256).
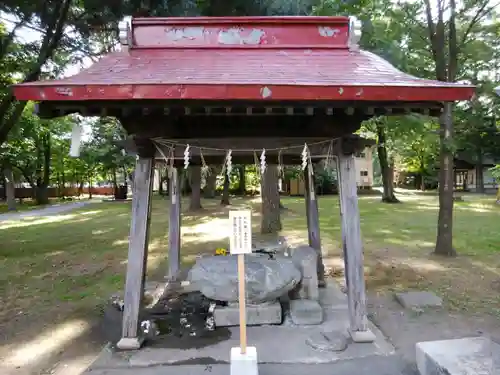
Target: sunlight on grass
(25, 221)
(215, 230)
(46, 220)
(46, 343)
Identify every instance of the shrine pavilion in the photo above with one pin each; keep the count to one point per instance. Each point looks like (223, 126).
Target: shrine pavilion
(241, 84)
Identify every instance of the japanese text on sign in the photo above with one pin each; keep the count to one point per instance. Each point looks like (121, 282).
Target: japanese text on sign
(240, 240)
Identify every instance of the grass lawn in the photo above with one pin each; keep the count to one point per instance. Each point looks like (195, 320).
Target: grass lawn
(67, 265)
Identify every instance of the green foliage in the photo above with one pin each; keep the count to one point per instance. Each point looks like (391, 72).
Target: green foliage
(495, 171)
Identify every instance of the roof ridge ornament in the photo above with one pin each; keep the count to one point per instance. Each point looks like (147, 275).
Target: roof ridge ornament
(355, 32)
(125, 33)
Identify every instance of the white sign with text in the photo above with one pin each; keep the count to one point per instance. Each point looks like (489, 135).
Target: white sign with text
(240, 239)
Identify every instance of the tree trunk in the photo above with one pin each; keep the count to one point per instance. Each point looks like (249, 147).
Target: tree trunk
(444, 241)
(43, 180)
(3, 194)
(42, 194)
(195, 203)
(210, 184)
(10, 189)
(63, 180)
(162, 178)
(479, 173)
(271, 217)
(80, 188)
(386, 170)
(225, 191)
(90, 187)
(58, 179)
(242, 180)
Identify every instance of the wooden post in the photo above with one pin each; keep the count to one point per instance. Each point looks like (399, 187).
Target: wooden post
(353, 250)
(312, 215)
(174, 225)
(137, 250)
(242, 302)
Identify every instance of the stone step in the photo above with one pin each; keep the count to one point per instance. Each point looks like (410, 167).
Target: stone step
(371, 365)
(466, 356)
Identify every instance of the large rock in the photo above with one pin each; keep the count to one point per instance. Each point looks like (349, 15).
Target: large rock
(266, 279)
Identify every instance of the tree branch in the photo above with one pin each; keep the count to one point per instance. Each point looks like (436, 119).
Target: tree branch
(482, 12)
(6, 42)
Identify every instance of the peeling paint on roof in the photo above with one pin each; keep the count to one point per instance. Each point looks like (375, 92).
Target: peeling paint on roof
(265, 92)
(327, 32)
(66, 91)
(238, 35)
(179, 33)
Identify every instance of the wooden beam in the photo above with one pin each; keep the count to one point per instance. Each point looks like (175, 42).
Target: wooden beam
(246, 124)
(312, 215)
(174, 225)
(137, 251)
(353, 249)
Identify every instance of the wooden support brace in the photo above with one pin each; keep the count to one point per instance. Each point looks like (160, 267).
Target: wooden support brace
(174, 225)
(137, 253)
(353, 249)
(312, 215)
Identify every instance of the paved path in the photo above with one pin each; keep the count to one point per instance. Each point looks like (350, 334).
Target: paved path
(372, 365)
(46, 211)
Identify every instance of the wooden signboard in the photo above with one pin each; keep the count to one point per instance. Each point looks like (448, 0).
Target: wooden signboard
(240, 243)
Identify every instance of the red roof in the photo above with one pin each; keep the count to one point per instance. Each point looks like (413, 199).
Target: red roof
(247, 58)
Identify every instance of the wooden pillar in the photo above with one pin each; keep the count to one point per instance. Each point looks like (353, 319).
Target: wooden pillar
(353, 249)
(138, 248)
(312, 215)
(174, 225)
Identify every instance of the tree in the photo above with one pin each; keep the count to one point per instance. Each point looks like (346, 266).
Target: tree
(225, 191)
(29, 149)
(210, 183)
(271, 216)
(447, 40)
(195, 203)
(114, 165)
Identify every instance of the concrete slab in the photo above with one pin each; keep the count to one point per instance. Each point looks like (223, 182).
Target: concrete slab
(467, 356)
(283, 344)
(380, 365)
(267, 313)
(418, 299)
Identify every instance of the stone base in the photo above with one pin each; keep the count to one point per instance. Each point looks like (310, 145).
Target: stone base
(467, 356)
(244, 364)
(305, 259)
(306, 312)
(362, 336)
(266, 313)
(130, 343)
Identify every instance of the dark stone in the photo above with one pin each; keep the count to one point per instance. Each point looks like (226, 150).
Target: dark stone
(266, 279)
